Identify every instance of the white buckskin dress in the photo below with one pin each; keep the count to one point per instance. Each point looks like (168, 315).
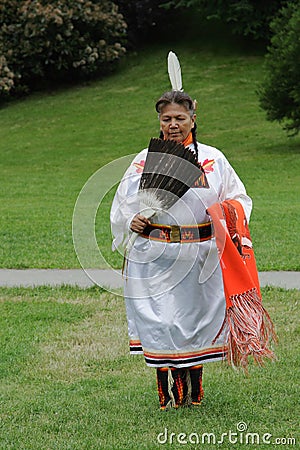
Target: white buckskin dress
(174, 292)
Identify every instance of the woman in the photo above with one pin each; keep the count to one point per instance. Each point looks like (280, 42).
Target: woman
(174, 290)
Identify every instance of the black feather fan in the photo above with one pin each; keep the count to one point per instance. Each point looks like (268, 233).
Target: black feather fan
(170, 171)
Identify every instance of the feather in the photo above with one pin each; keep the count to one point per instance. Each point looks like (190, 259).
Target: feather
(174, 72)
(170, 170)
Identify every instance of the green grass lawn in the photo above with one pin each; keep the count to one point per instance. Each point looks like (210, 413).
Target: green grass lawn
(52, 143)
(68, 382)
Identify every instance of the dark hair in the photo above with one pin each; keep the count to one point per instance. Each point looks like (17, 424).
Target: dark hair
(181, 98)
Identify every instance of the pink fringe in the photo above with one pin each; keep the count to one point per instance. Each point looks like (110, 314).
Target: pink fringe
(249, 330)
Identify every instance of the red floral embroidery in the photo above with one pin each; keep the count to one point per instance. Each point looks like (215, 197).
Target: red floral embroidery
(186, 235)
(208, 165)
(139, 166)
(163, 235)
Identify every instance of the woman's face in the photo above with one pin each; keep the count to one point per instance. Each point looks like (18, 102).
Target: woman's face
(176, 122)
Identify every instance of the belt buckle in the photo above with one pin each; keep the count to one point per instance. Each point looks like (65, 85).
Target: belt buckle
(175, 235)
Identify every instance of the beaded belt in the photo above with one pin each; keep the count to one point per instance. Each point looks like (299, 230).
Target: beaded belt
(175, 233)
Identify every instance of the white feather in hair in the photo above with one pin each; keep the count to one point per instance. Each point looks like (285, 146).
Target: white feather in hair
(174, 71)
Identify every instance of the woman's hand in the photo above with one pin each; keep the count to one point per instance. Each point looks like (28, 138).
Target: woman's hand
(139, 223)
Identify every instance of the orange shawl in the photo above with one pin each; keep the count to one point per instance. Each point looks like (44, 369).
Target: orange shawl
(248, 326)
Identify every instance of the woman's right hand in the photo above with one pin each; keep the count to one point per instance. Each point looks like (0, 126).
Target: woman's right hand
(139, 223)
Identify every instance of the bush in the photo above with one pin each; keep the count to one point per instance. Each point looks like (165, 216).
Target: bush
(142, 17)
(280, 92)
(55, 39)
(246, 17)
(6, 77)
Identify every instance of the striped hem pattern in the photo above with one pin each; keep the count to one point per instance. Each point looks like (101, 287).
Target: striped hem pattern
(180, 359)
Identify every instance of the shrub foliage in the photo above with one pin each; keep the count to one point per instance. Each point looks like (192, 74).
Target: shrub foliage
(280, 92)
(142, 17)
(52, 39)
(246, 17)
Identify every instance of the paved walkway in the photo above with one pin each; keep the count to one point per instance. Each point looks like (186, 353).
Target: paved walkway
(111, 278)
